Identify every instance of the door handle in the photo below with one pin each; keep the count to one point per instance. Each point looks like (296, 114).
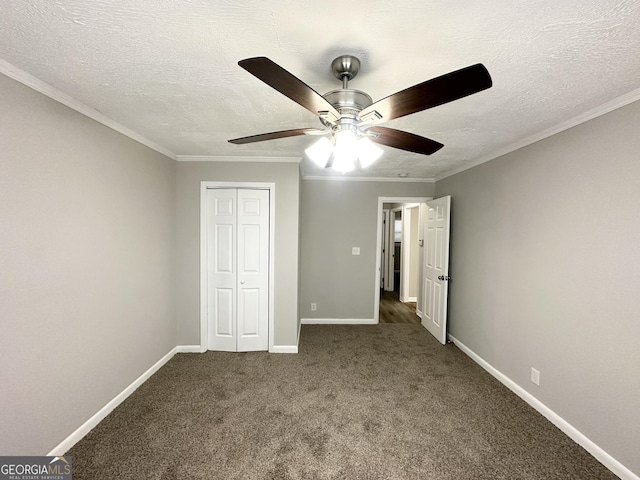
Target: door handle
(241, 282)
(442, 277)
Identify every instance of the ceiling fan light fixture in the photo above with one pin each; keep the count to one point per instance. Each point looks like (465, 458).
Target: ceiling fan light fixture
(343, 165)
(320, 152)
(367, 152)
(345, 151)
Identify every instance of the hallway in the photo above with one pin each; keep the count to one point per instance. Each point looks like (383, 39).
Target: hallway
(392, 310)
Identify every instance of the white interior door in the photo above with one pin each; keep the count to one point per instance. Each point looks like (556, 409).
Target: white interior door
(421, 255)
(410, 261)
(390, 248)
(253, 270)
(237, 269)
(395, 236)
(436, 267)
(221, 265)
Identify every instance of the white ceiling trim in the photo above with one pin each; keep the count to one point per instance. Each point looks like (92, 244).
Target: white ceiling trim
(215, 158)
(38, 85)
(367, 179)
(603, 109)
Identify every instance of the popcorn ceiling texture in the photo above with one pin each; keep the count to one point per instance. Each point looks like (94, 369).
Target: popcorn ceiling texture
(168, 70)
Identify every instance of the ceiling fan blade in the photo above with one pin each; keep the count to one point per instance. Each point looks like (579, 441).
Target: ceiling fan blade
(278, 78)
(275, 135)
(429, 94)
(404, 140)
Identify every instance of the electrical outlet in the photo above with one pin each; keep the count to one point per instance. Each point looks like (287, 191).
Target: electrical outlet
(535, 376)
(314, 307)
(355, 250)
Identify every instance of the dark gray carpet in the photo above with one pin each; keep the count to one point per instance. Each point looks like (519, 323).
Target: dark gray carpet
(357, 402)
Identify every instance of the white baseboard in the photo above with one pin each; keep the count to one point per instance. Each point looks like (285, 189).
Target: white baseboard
(603, 457)
(284, 349)
(338, 321)
(189, 349)
(86, 427)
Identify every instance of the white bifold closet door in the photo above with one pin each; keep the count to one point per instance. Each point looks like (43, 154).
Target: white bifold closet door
(238, 269)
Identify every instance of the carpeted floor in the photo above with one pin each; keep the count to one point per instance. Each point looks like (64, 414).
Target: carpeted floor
(357, 402)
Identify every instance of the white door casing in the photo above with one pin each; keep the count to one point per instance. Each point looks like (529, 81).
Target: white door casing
(236, 252)
(376, 288)
(436, 268)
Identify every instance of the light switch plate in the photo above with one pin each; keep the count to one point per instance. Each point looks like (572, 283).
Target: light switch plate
(355, 250)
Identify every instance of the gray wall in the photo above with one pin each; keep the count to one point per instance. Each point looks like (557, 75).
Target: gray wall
(286, 177)
(545, 263)
(87, 232)
(335, 216)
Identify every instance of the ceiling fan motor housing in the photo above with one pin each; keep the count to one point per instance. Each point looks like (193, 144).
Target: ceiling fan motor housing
(348, 103)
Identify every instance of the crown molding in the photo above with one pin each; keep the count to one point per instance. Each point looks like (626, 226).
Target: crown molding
(217, 158)
(38, 85)
(603, 109)
(328, 178)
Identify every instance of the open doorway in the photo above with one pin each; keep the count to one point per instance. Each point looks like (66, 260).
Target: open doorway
(398, 273)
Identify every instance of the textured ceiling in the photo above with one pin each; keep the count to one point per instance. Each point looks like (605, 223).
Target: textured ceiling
(167, 69)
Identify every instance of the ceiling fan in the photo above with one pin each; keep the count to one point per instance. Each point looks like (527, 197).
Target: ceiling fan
(351, 118)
